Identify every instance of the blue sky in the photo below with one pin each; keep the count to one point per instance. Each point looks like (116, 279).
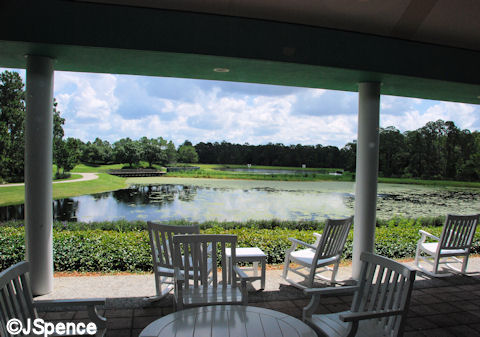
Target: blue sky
(117, 106)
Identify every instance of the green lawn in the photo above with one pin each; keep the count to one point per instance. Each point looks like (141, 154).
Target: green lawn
(84, 168)
(443, 183)
(209, 171)
(16, 194)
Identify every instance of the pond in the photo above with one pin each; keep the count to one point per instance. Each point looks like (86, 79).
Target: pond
(161, 199)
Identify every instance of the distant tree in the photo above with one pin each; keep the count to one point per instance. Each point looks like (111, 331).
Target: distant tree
(187, 154)
(206, 153)
(349, 156)
(59, 148)
(163, 156)
(127, 151)
(12, 116)
(415, 148)
(104, 151)
(171, 152)
(97, 152)
(469, 168)
(153, 150)
(392, 153)
(67, 155)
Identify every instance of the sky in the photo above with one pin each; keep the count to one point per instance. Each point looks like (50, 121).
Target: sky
(112, 107)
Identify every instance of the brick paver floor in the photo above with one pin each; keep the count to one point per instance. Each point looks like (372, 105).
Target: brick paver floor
(448, 306)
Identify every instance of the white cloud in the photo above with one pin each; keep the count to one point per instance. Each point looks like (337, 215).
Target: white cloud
(114, 106)
(465, 116)
(86, 101)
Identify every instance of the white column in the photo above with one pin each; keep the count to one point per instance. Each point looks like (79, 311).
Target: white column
(367, 172)
(38, 173)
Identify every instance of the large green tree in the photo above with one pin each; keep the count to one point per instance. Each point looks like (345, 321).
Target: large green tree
(97, 152)
(127, 151)
(59, 151)
(187, 153)
(153, 150)
(12, 116)
(392, 154)
(67, 155)
(171, 152)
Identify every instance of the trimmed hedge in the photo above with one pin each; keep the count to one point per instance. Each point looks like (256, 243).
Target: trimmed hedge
(124, 225)
(124, 246)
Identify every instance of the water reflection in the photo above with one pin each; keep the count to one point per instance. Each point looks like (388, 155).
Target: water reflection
(168, 202)
(241, 200)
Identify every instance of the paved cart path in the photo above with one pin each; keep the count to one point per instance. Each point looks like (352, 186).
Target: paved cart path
(85, 177)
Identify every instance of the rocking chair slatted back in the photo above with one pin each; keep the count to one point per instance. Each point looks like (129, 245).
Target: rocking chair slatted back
(458, 232)
(161, 241)
(333, 238)
(197, 250)
(384, 285)
(15, 296)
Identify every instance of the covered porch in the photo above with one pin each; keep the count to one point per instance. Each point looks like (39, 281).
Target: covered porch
(412, 53)
(372, 47)
(447, 306)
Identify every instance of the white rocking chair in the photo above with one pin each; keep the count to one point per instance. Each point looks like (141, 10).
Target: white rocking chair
(16, 301)
(161, 244)
(380, 302)
(197, 279)
(456, 241)
(326, 251)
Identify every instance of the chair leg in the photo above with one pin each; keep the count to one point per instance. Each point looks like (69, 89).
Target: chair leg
(435, 264)
(158, 286)
(311, 277)
(285, 266)
(417, 256)
(159, 292)
(335, 271)
(464, 264)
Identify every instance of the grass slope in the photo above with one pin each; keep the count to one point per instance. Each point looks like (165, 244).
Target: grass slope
(13, 195)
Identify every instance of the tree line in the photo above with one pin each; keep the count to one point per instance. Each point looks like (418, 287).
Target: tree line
(270, 154)
(438, 150)
(127, 151)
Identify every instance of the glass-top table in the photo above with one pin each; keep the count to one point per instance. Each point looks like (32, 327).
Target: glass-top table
(228, 320)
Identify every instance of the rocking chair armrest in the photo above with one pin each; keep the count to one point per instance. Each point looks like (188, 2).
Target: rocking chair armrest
(330, 291)
(90, 303)
(357, 316)
(178, 276)
(318, 293)
(301, 243)
(318, 237)
(241, 273)
(427, 234)
(243, 283)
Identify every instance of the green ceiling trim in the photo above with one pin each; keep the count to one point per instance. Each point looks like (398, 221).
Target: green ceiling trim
(126, 40)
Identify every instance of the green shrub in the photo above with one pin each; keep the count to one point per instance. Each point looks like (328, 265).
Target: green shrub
(124, 246)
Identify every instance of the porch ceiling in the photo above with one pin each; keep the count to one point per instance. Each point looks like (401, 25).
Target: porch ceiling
(416, 48)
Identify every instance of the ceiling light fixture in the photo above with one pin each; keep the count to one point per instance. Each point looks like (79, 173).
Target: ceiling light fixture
(221, 70)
